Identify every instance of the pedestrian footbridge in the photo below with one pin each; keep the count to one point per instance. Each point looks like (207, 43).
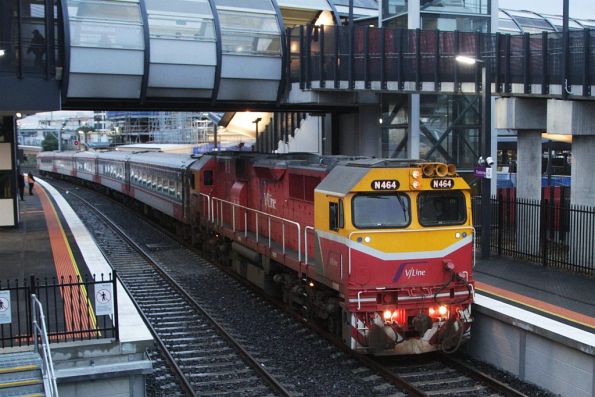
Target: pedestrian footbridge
(182, 54)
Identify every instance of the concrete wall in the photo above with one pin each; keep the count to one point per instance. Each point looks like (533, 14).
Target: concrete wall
(564, 367)
(101, 368)
(360, 133)
(307, 138)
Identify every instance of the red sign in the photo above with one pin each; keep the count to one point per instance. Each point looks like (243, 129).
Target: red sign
(76, 143)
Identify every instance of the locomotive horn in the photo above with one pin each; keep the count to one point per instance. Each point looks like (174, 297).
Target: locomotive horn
(429, 169)
(452, 170)
(441, 169)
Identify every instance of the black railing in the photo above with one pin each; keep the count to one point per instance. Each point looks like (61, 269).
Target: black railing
(387, 55)
(69, 306)
(549, 232)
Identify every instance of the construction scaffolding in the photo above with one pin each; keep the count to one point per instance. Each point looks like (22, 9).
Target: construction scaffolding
(162, 127)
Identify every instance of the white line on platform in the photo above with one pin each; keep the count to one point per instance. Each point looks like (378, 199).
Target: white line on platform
(536, 320)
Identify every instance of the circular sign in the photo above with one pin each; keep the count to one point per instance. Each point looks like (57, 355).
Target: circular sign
(76, 143)
(4, 305)
(104, 296)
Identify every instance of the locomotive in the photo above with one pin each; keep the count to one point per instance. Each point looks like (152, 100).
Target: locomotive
(380, 251)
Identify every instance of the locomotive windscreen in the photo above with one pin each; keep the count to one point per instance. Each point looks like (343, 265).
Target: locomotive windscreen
(441, 208)
(381, 210)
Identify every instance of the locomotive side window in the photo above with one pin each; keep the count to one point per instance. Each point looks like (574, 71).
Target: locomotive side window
(377, 211)
(208, 177)
(333, 216)
(441, 208)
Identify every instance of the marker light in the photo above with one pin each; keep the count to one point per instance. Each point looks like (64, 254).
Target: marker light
(415, 174)
(387, 315)
(416, 184)
(311, 284)
(367, 239)
(442, 310)
(431, 311)
(457, 235)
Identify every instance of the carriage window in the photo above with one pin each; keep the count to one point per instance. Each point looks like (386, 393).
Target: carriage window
(372, 211)
(441, 208)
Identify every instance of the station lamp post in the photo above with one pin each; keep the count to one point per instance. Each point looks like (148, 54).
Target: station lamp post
(485, 159)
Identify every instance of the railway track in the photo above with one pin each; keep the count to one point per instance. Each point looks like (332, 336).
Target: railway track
(204, 357)
(440, 375)
(387, 377)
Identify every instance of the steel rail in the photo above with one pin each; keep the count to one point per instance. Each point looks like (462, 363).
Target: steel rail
(249, 359)
(480, 376)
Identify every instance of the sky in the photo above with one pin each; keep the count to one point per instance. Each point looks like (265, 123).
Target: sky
(578, 8)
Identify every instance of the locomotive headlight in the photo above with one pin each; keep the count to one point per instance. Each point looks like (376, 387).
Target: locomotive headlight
(442, 310)
(458, 235)
(367, 239)
(414, 181)
(431, 311)
(387, 315)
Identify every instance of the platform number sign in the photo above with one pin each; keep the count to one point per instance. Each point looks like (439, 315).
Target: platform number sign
(5, 308)
(104, 299)
(442, 183)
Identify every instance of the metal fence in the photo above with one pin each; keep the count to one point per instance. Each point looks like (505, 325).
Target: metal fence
(369, 54)
(549, 232)
(75, 309)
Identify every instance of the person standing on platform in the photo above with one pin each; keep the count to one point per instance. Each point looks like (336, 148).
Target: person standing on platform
(31, 183)
(21, 185)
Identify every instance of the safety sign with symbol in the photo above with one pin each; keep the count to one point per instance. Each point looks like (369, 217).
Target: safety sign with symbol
(104, 303)
(5, 309)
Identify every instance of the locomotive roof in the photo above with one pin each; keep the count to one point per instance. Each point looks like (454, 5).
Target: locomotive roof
(346, 174)
(341, 180)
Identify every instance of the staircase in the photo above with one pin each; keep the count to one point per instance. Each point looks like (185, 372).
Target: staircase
(20, 375)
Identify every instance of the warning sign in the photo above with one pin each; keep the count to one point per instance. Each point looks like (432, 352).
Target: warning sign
(104, 299)
(5, 309)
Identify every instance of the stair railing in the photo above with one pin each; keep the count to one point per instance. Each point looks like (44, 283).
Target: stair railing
(40, 330)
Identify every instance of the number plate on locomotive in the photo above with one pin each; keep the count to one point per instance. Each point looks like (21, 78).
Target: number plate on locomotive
(385, 184)
(442, 183)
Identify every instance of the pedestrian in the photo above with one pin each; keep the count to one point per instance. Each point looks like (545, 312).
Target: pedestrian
(31, 181)
(37, 47)
(21, 185)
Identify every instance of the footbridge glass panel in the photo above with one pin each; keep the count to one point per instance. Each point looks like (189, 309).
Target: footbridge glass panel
(183, 49)
(105, 48)
(251, 64)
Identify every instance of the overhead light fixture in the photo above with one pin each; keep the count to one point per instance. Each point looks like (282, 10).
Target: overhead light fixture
(467, 60)
(2, 52)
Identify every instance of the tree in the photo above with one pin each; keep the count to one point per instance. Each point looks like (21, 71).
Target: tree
(49, 143)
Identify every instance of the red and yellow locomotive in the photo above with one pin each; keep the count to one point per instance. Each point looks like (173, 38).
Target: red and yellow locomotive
(380, 249)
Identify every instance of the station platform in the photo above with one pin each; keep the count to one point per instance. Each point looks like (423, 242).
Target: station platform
(554, 294)
(52, 244)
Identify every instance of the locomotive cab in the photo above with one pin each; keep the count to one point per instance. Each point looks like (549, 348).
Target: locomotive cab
(398, 238)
